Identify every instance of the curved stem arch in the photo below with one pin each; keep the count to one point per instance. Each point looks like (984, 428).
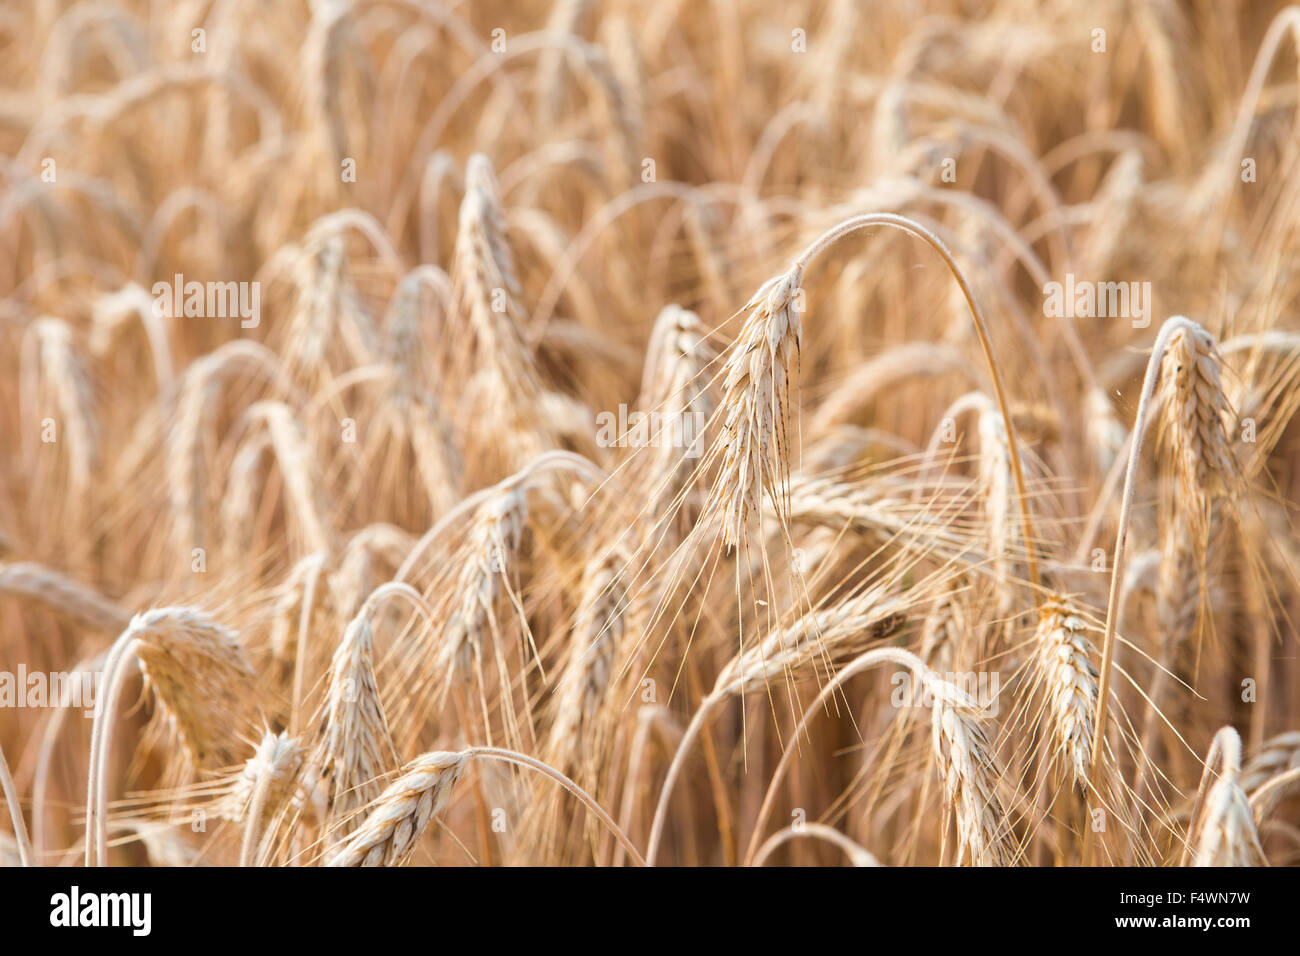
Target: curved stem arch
(915, 229)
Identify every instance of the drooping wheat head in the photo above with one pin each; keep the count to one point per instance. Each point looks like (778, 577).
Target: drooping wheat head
(398, 817)
(756, 438)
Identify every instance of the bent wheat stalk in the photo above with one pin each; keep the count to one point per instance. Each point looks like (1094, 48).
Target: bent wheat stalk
(15, 813)
(815, 638)
(62, 595)
(523, 760)
(872, 658)
(858, 855)
(1173, 327)
(914, 228)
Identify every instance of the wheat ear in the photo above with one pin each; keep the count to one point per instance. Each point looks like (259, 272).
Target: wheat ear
(200, 680)
(961, 751)
(357, 745)
(265, 781)
(965, 761)
(755, 439)
(1064, 658)
(1227, 835)
(402, 813)
(754, 454)
(1276, 756)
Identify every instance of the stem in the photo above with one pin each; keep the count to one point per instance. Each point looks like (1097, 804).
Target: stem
(674, 770)
(247, 855)
(523, 760)
(300, 652)
(100, 741)
(554, 460)
(1277, 783)
(722, 805)
(481, 816)
(913, 228)
(1287, 19)
(880, 655)
(1167, 330)
(635, 762)
(41, 779)
(105, 755)
(396, 589)
(15, 813)
(854, 851)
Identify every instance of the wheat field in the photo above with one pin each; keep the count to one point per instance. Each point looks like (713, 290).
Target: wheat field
(610, 433)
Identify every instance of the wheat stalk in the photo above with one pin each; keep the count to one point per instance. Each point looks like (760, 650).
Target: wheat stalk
(62, 595)
(10, 792)
(1192, 406)
(858, 855)
(819, 637)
